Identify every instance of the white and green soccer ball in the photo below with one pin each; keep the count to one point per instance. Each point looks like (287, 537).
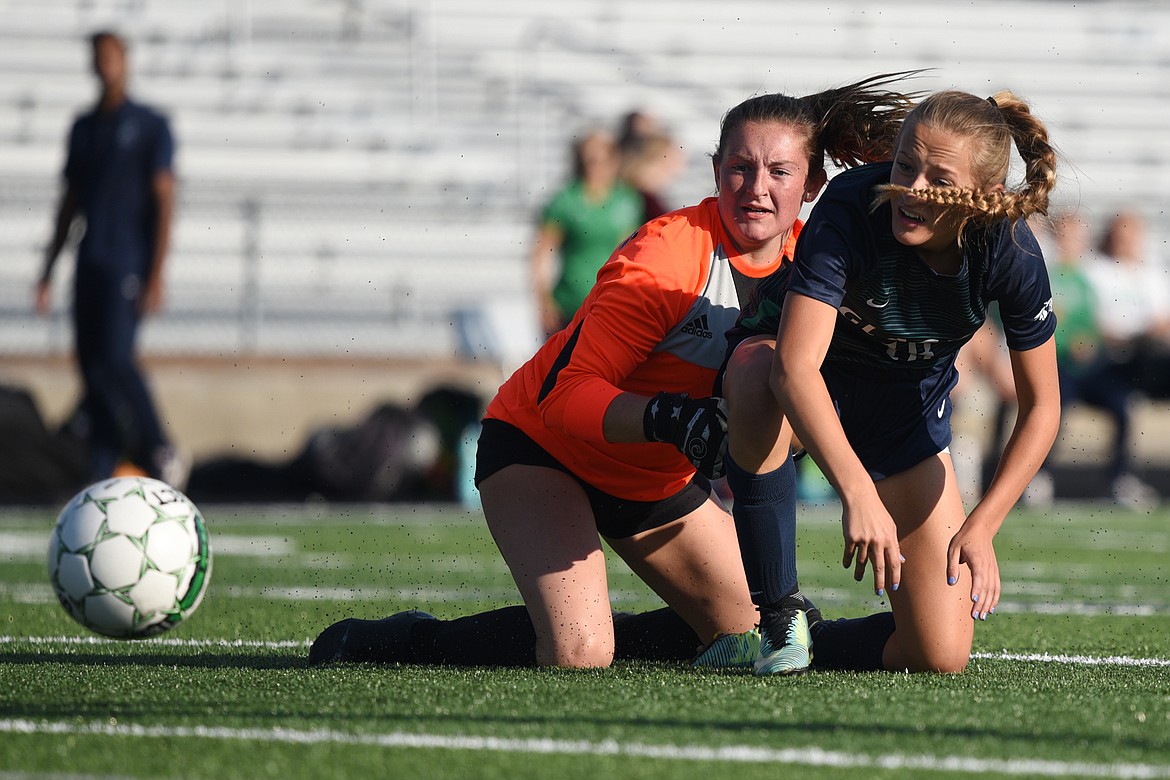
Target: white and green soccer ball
(129, 557)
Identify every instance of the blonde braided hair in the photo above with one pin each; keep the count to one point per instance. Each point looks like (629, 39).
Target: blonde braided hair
(993, 123)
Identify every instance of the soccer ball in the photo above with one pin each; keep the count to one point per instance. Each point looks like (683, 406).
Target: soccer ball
(129, 557)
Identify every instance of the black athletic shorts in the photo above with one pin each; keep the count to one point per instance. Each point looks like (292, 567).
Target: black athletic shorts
(502, 444)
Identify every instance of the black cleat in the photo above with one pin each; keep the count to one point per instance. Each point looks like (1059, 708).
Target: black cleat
(352, 641)
(814, 614)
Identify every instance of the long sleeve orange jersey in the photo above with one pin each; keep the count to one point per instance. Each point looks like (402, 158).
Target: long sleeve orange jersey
(654, 321)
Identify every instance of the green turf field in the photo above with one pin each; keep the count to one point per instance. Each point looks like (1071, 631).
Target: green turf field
(1071, 677)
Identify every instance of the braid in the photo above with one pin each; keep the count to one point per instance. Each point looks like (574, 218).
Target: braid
(1031, 137)
(994, 123)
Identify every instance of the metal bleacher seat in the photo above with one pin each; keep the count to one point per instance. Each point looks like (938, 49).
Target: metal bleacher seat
(373, 168)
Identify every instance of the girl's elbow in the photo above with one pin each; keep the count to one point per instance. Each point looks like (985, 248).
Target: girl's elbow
(1054, 416)
(1043, 420)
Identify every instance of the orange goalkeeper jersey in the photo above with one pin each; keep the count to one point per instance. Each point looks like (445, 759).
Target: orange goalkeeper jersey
(654, 321)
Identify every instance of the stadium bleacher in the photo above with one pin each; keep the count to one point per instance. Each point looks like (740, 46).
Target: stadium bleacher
(358, 178)
(364, 173)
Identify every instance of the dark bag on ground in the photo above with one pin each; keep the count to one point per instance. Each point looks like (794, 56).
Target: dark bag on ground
(37, 466)
(386, 457)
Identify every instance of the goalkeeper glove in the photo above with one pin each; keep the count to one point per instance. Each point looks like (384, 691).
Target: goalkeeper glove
(697, 427)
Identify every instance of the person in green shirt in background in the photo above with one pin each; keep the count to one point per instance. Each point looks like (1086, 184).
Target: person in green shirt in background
(1078, 337)
(1087, 375)
(580, 227)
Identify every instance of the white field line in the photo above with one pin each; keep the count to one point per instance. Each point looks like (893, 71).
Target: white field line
(1047, 658)
(406, 596)
(26, 593)
(807, 756)
(403, 597)
(251, 644)
(32, 545)
(1078, 660)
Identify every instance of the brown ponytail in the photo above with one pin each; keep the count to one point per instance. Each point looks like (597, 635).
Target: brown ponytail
(859, 122)
(854, 124)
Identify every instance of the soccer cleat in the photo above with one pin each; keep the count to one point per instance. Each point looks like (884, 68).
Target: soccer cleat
(1131, 493)
(812, 614)
(353, 641)
(785, 642)
(1041, 491)
(171, 466)
(730, 651)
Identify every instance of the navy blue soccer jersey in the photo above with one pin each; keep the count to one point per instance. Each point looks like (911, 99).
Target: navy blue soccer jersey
(895, 312)
(111, 164)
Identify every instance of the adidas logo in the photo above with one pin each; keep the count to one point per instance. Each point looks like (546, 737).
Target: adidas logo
(698, 327)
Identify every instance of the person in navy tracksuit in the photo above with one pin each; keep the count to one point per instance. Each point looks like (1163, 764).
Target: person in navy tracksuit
(119, 177)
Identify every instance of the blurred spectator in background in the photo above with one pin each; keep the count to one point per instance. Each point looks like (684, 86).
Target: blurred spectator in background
(119, 178)
(637, 125)
(1088, 372)
(651, 160)
(580, 227)
(1133, 295)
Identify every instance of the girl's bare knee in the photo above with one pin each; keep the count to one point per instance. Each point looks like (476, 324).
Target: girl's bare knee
(748, 369)
(903, 656)
(941, 661)
(581, 652)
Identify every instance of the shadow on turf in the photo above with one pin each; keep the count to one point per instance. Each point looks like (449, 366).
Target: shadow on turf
(198, 660)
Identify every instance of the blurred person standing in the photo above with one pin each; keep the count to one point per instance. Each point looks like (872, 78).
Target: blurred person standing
(119, 177)
(1133, 304)
(580, 227)
(651, 160)
(1086, 370)
(636, 125)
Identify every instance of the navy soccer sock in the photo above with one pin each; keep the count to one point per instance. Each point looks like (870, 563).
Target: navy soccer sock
(505, 637)
(502, 637)
(660, 635)
(765, 520)
(853, 644)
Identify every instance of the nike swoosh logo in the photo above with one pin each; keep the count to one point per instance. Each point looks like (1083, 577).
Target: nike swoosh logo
(942, 408)
(871, 302)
